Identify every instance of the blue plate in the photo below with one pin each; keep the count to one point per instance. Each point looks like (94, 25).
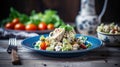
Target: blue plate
(29, 43)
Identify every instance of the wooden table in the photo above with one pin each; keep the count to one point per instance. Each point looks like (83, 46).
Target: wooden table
(101, 57)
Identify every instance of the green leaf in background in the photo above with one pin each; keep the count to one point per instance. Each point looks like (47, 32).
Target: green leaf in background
(49, 16)
(33, 12)
(15, 14)
(50, 12)
(36, 18)
(47, 19)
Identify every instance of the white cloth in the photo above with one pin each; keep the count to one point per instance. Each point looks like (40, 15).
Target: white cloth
(23, 34)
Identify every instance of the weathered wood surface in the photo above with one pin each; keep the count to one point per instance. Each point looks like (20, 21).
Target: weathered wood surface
(104, 56)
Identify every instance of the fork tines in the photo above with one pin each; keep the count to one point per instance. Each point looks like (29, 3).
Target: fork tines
(12, 45)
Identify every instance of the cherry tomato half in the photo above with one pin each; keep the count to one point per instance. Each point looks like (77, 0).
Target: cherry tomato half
(31, 27)
(15, 21)
(43, 46)
(50, 26)
(42, 26)
(9, 25)
(19, 26)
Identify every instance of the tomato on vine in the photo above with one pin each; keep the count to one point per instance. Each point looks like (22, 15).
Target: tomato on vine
(50, 26)
(9, 25)
(19, 26)
(31, 27)
(15, 21)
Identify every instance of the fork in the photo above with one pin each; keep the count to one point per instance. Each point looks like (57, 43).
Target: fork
(12, 49)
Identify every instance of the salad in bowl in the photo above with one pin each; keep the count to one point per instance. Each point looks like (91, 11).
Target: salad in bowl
(109, 34)
(62, 39)
(111, 28)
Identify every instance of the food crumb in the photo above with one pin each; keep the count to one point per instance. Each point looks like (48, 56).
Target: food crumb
(116, 64)
(44, 64)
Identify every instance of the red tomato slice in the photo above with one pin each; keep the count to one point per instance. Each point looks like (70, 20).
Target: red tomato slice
(83, 46)
(43, 45)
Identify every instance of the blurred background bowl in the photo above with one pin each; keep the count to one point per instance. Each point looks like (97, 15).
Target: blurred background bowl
(109, 39)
